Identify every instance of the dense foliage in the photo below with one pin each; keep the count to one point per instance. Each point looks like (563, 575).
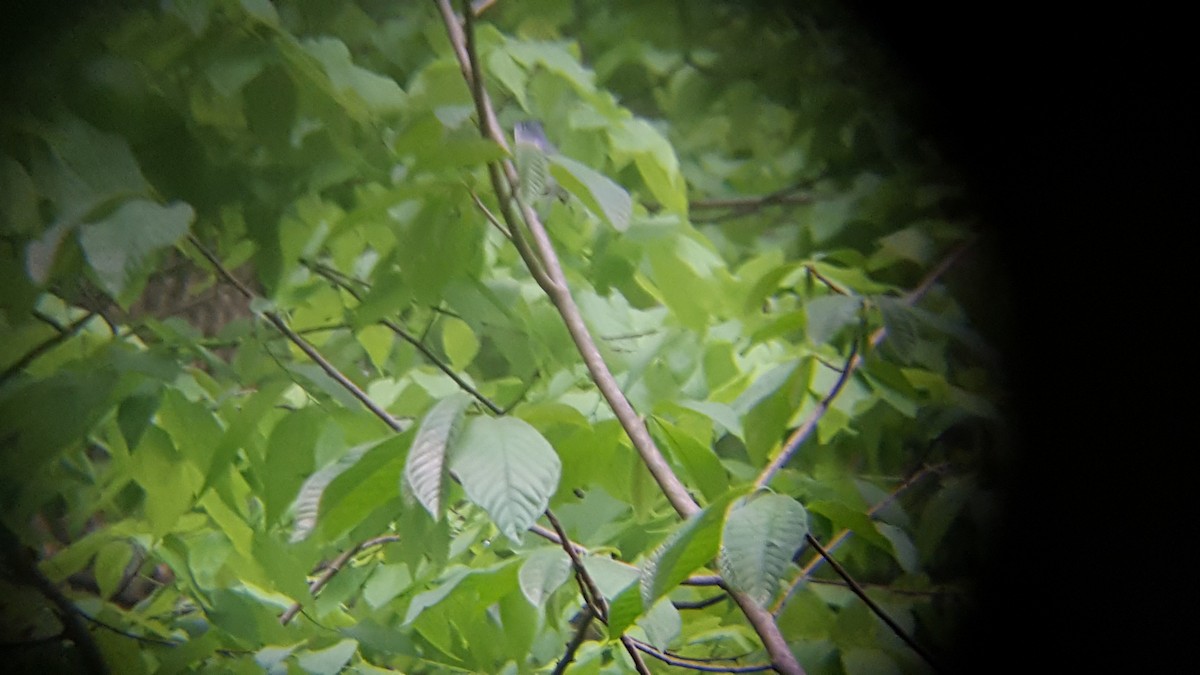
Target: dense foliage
(288, 383)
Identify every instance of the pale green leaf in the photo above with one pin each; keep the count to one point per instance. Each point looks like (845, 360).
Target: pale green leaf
(424, 469)
(433, 596)
(598, 192)
(829, 314)
(760, 537)
(116, 246)
(508, 468)
(377, 341)
(542, 573)
(693, 544)
(903, 549)
(386, 582)
(381, 94)
(329, 661)
(459, 342)
(662, 624)
(307, 505)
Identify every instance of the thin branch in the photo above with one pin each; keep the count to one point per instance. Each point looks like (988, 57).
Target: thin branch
(344, 284)
(806, 428)
(812, 269)
(300, 342)
(587, 586)
(837, 540)
(333, 568)
(585, 622)
(875, 608)
(64, 334)
(553, 282)
(703, 666)
(133, 636)
(491, 217)
(744, 206)
(639, 663)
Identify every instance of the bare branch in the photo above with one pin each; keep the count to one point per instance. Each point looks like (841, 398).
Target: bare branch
(587, 586)
(585, 622)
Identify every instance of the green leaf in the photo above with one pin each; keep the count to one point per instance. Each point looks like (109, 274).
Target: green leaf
(116, 247)
(662, 624)
(903, 549)
(829, 314)
(425, 600)
(386, 582)
(111, 561)
(459, 342)
(169, 480)
(692, 545)
(424, 469)
(329, 661)
(761, 535)
(307, 504)
(381, 94)
(543, 571)
(597, 192)
(377, 342)
(508, 468)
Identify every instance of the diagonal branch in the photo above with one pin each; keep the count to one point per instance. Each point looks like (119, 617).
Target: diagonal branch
(299, 341)
(333, 568)
(874, 607)
(64, 333)
(855, 361)
(553, 281)
(335, 278)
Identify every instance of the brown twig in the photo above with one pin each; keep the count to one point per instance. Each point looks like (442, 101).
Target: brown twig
(553, 281)
(587, 586)
(333, 568)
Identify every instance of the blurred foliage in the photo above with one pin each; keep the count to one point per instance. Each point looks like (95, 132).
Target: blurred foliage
(745, 206)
